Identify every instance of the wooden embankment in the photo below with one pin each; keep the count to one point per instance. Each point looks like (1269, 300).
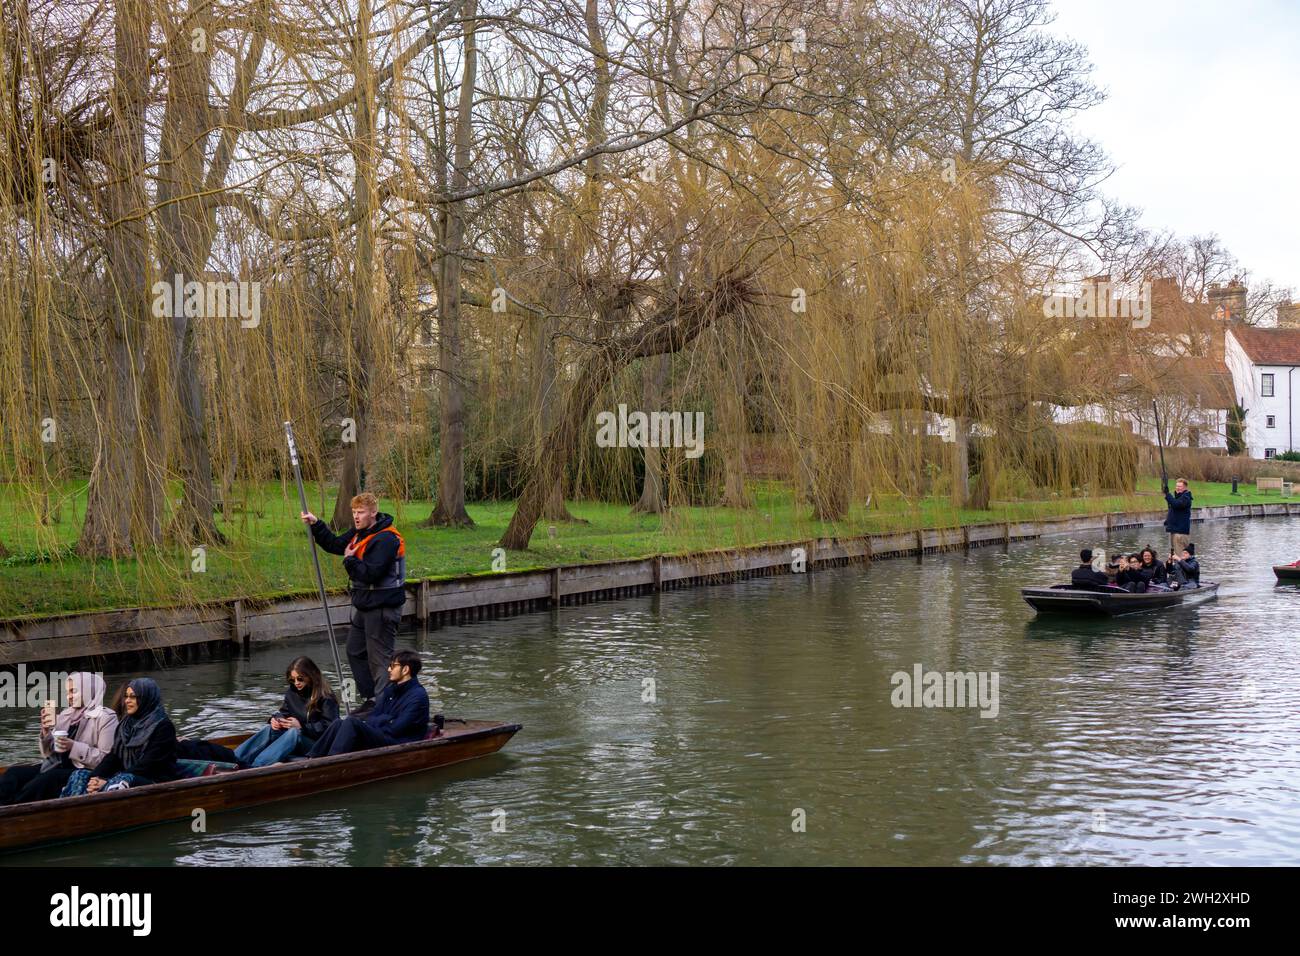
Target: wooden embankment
(190, 633)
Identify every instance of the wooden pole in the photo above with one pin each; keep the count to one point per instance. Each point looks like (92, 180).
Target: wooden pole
(315, 560)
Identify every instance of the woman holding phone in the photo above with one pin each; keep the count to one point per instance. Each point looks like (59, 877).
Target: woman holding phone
(309, 708)
(76, 738)
(144, 747)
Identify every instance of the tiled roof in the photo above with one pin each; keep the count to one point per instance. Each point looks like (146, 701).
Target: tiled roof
(1269, 346)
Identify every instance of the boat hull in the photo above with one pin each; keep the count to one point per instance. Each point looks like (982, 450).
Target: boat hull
(71, 818)
(1063, 600)
(1287, 572)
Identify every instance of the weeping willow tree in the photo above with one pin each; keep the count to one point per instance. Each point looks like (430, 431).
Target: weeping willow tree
(441, 238)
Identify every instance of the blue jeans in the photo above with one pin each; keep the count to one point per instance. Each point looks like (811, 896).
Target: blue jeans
(269, 746)
(76, 785)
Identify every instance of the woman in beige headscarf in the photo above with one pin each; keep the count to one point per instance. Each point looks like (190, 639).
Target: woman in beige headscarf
(76, 738)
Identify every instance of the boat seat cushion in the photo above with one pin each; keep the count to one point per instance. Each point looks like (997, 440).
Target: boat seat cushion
(202, 768)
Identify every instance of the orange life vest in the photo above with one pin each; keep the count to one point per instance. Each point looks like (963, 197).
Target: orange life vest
(397, 577)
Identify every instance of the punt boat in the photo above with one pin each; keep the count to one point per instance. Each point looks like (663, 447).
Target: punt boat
(1289, 573)
(73, 818)
(1110, 600)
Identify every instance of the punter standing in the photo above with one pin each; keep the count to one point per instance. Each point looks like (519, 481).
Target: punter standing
(1179, 520)
(374, 556)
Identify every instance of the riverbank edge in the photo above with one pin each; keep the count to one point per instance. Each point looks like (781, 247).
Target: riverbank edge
(189, 633)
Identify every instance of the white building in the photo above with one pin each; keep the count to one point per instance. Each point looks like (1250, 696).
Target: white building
(1263, 363)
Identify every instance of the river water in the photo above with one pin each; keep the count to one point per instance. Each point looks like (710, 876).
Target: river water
(752, 723)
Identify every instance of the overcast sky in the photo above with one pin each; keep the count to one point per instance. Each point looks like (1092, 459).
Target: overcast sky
(1202, 118)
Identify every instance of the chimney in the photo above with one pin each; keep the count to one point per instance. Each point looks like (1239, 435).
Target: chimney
(1228, 301)
(1288, 315)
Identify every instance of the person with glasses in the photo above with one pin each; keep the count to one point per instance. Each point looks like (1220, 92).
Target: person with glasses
(144, 747)
(400, 714)
(308, 710)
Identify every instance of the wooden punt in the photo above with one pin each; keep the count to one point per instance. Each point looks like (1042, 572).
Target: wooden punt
(1287, 572)
(73, 818)
(1066, 599)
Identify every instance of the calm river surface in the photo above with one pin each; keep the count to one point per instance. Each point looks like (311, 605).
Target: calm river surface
(1171, 738)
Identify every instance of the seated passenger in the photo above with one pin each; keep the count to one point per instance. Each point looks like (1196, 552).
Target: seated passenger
(1153, 571)
(1131, 578)
(144, 747)
(309, 708)
(1184, 569)
(77, 738)
(400, 715)
(1084, 577)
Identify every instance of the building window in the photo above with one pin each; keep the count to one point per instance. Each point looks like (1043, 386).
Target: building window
(1270, 452)
(1270, 421)
(1266, 385)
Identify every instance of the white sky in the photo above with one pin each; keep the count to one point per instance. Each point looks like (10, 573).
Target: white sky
(1202, 118)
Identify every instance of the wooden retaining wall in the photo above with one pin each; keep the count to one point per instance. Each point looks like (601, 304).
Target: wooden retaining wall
(217, 629)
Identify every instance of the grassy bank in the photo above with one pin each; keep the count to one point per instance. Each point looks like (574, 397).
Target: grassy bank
(267, 556)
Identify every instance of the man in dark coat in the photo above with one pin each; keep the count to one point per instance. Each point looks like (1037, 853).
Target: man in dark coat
(400, 715)
(1185, 569)
(374, 556)
(1084, 577)
(1178, 522)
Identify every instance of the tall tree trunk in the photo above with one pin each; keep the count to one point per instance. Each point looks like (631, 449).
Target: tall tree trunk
(654, 378)
(545, 385)
(450, 507)
(363, 331)
(961, 492)
(734, 429)
(111, 526)
(185, 240)
(832, 474)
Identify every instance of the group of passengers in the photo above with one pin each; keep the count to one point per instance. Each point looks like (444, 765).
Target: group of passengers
(1140, 572)
(92, 747)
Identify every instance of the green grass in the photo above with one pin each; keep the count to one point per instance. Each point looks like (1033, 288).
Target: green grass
(267, 556)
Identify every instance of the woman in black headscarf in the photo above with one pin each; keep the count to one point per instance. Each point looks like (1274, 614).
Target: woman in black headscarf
(144, 749)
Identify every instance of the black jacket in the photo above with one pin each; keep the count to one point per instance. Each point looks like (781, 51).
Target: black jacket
(1154, 573)
(1189, 570)
(313, 724)
(1179, 519)
(1131, 578)
(1085, 577)
(380, 557)
(157, 763)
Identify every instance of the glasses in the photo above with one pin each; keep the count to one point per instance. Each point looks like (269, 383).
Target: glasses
(297, 679)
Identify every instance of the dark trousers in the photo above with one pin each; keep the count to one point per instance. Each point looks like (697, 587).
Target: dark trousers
(372, 639)
(26, 783)
(348, 735)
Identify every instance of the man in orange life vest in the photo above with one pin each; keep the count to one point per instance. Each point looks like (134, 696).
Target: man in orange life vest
(374, 556)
